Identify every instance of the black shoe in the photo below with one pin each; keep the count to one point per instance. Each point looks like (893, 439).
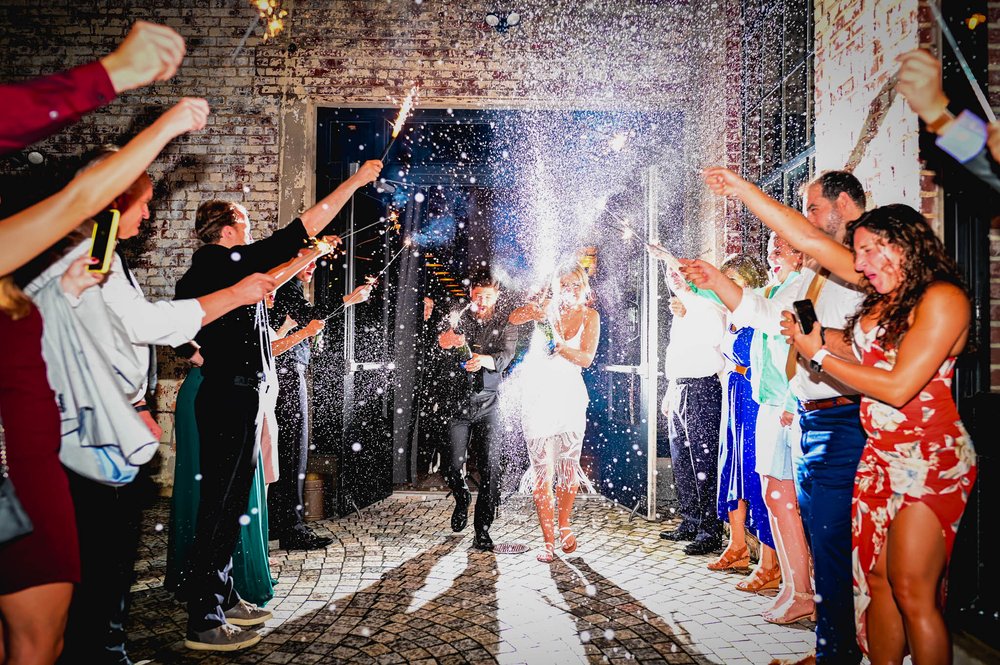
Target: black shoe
(460, 516)
(679, 534)
(703, 545)
(483, 541)
(302, 538)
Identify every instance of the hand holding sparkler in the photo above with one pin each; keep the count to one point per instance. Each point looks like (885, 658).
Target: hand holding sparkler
(368, 172)
(361, 293)
(920, 84)
(317, 248)
(149, 53)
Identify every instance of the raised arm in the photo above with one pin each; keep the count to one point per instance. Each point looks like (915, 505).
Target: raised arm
(526, 313)
(706, 276)
(787, 222)
(39, 107)
(940, 329)
(316, 218)
(26, 234)
(279, 346)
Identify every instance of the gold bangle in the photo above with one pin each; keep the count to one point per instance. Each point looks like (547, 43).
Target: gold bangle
(938, 123)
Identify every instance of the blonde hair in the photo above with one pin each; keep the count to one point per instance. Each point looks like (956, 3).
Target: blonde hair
(578, 271)
(13, 302)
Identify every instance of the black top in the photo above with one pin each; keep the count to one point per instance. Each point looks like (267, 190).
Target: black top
(290, 300)
(493, 337)
(236, 343)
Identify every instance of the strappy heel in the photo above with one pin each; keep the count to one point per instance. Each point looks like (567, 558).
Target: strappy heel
(568, 539)
(731, 560)
(786, 618)
(548, 554)
(760, 580)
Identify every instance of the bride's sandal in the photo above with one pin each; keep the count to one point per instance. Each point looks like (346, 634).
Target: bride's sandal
(791, 615)
(548, 554)
(568, 539)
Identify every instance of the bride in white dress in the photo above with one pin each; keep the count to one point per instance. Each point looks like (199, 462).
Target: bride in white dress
(554, 401)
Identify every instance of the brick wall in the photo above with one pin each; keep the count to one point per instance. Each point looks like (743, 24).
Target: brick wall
(856, 47)
(259, 147)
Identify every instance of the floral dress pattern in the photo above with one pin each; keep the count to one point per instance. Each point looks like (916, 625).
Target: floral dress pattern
(918, 453)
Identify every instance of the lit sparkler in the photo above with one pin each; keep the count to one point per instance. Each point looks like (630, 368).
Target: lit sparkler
(272, 16)
(397, 127)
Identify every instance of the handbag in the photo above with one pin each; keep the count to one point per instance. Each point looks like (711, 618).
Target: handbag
(14, 521)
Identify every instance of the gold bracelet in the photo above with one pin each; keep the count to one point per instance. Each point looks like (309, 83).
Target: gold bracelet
(938, 124)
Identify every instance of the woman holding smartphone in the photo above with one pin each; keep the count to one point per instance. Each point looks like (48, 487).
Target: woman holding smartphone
(918, 465)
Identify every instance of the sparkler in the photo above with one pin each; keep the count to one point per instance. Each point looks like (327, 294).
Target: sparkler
(660, 252)
(371, 280)
(397, 127)
(946, 32)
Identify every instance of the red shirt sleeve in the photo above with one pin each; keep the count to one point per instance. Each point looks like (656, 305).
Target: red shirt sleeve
(37, 108)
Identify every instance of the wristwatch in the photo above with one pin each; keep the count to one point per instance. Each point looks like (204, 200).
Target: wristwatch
(816, 362)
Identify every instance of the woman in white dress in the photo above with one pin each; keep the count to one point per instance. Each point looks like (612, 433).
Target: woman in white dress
(554, 401)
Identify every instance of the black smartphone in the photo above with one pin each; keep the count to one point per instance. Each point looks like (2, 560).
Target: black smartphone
(805, 313)
(102, 242)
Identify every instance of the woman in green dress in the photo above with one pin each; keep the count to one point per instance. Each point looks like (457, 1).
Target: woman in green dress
(251, 568)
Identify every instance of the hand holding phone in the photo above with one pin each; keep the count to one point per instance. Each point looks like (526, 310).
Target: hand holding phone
(805, 315)
(102, 242)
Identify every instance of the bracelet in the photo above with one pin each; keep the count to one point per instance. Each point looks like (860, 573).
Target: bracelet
(938, 123)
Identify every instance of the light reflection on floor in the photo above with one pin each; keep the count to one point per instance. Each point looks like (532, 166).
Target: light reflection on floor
(398, 586)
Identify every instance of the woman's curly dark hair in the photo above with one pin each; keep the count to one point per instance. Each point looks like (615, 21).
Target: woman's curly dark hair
(925, 261)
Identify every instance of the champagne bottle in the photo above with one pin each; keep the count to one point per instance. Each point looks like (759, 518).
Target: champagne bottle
(550, 335)
(464, 352)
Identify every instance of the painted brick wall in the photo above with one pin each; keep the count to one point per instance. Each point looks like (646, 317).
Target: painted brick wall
(856, 47)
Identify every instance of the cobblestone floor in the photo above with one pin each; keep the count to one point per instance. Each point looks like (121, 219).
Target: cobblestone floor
(398, 586)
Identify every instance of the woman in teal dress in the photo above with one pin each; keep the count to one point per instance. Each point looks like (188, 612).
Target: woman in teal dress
(251, 568)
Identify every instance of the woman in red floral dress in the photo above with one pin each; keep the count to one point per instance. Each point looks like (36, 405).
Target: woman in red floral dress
(919, 465)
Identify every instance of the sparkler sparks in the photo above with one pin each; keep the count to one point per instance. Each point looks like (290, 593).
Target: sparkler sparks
(272, 16)
(397, 126)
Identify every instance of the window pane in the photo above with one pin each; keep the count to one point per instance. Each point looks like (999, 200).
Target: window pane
(771, 134)
(771, 50)
(794, 180)
(795, 33)
(796, 112)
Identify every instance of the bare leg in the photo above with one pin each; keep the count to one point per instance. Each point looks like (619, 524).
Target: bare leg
(916, 561)
(566, 495)
(34, 621)
(793, 552)
(545, 507)
(735, 556)
(884, 623)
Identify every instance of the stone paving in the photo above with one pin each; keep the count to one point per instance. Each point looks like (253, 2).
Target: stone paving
(397, 586)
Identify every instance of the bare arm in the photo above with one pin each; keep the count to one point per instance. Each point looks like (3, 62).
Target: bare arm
(939, 330)
(706, 276)
(27, 233)
(316, 218)
(247, 291)
(279, 346)
(787, 222)
(584, 356)
(525, 314)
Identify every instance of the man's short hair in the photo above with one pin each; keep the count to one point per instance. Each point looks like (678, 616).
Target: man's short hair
(212, 217)
(483, 279)
(835, 183)
(96, 156)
